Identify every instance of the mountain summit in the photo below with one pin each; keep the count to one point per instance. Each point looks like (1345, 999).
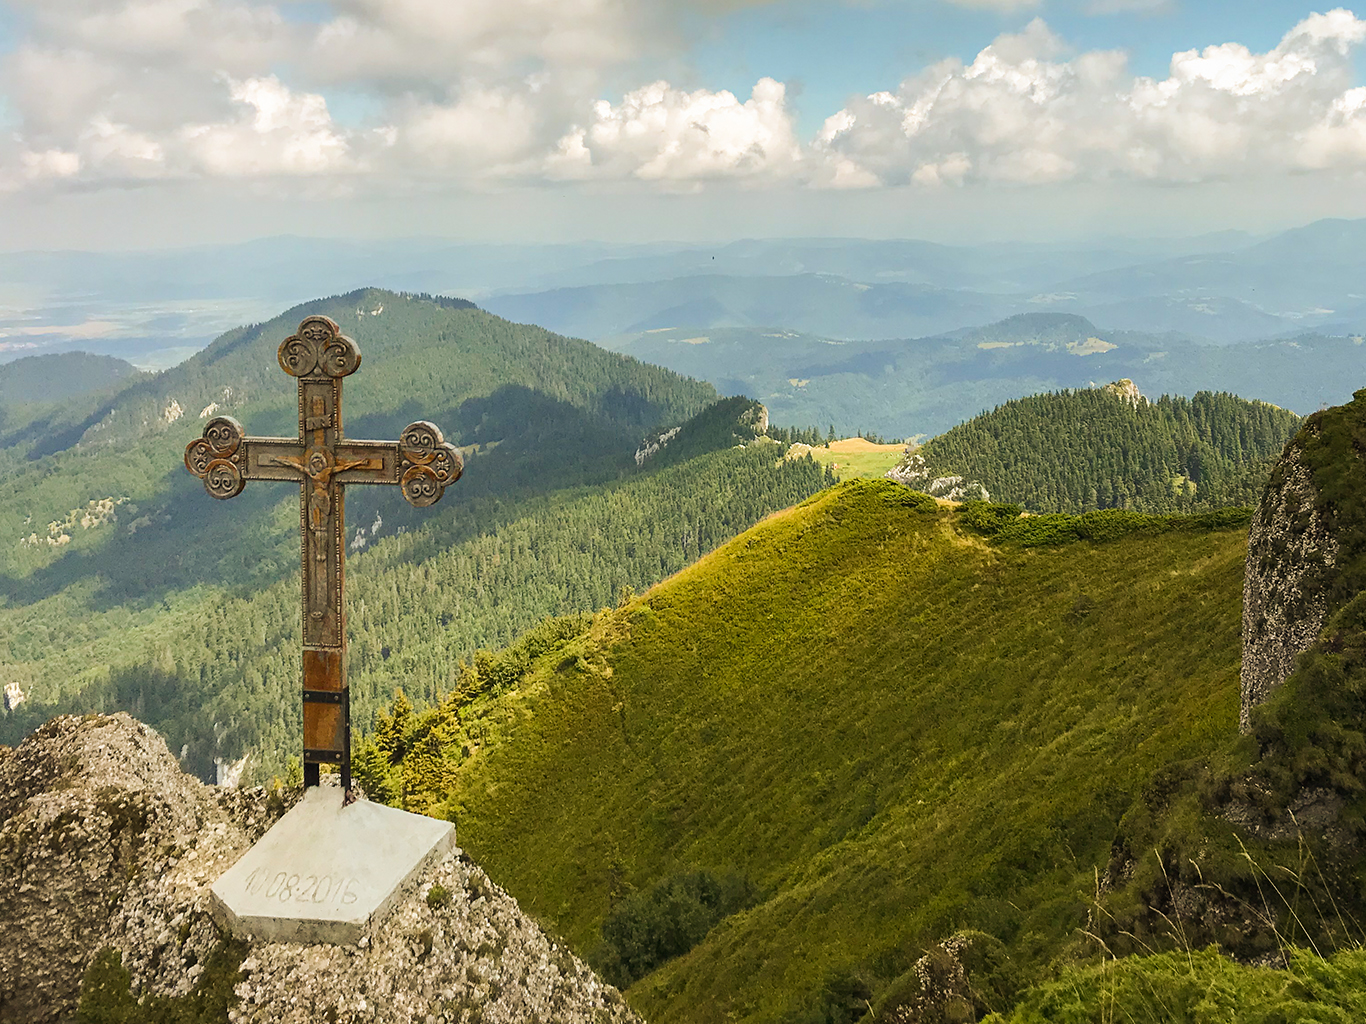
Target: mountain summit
(107, 852)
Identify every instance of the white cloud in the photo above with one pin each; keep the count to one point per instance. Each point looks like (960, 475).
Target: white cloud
(276, 132)
(661, 133)
(272, 131)
(435, 41)
(487, 133)
(1019, 113)
(54, 163)
(467, 92)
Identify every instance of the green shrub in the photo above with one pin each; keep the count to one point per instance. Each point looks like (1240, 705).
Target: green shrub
(904, 497)
(106, 996)
(1102, 525)
(666, 920)
(438, 897)
(986, 517)
(841, 999)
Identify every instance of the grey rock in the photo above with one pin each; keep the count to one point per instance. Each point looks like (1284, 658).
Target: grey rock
(104, 841)
(1289, 554)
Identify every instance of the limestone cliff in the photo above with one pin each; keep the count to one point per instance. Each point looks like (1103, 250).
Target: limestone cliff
(1306, 556)
(105, 842)
(1285, 601)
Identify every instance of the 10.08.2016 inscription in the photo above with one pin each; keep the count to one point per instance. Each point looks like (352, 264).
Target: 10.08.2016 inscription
(314, 890)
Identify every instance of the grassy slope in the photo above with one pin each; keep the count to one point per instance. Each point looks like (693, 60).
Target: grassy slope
(892, 727)
(857, 457)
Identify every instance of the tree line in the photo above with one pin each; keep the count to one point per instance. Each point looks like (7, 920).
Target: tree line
(1074, 451)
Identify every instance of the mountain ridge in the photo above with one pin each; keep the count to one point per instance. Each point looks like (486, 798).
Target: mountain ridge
(811, 647)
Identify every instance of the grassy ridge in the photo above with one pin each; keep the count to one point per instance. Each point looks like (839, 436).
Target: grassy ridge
(1196, 987)
(891, 727)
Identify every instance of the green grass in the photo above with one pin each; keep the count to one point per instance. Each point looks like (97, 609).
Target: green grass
(867, 465)
(893, 728)
(1201, 987)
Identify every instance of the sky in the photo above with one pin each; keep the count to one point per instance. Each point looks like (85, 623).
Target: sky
(148, 123)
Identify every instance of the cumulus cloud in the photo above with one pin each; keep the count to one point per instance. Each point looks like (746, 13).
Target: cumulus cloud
(660, 133)
(1021, 113)
(160, 88)
(272, 132)
(487, 133)
(277, 132)
(467, 91)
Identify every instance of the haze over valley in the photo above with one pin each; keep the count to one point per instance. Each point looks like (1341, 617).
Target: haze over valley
(899, 337)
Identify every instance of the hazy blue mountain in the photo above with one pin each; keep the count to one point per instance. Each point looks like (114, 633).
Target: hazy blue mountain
(925, 386)
(1213, 317)
(1224, 288)
(1307, 277)
(54, 378)
(817, 303)
(156, 308)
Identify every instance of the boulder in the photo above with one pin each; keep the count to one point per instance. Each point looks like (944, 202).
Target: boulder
(105, 844)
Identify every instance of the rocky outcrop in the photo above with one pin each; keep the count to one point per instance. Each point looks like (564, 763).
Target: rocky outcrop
(755, 418)
(1289, 553)
(655, 443)
(914, 471)
(1125, 390)
(963, 978)
(105, 842)
(87, 807)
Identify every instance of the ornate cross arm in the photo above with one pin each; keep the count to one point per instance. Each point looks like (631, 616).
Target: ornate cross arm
(422, 462)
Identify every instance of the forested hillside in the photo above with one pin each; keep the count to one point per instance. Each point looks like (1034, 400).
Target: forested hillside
(535, 411)
(1101, 448)
(48, 394)
(52, 378)
(764, 789)
(124, 585)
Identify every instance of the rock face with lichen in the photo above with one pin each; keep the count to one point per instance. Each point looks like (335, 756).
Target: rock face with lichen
(106, 843)
(1290, 552)
(1125, 390)
(914, 472)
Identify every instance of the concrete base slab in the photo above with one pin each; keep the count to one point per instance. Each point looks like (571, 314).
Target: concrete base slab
(325, 872)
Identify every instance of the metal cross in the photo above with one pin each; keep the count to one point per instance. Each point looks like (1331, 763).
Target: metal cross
(421, 462)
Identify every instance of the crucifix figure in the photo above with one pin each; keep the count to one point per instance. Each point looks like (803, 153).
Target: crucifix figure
(420, 462)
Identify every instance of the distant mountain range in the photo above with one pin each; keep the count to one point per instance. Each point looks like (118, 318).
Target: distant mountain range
(925, 386)
(156, 308)
(1238, 290)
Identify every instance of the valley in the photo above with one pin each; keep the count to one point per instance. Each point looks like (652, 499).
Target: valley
(146, 604)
